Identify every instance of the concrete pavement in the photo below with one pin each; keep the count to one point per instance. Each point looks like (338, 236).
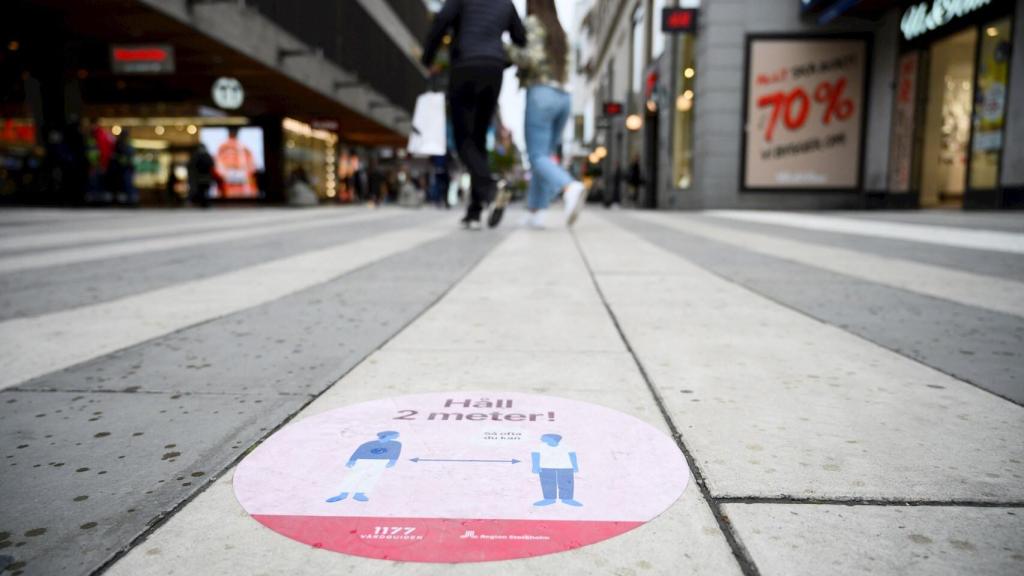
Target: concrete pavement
(847, 388)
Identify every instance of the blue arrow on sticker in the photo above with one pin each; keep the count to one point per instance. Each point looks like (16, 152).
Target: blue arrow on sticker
(512, 461)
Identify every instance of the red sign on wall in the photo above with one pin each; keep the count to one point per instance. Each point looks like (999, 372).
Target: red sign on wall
(613, 109)
(142, 59)
(679, 20)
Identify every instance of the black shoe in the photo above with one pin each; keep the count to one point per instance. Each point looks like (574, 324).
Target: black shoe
(472, 223)
(500, 202)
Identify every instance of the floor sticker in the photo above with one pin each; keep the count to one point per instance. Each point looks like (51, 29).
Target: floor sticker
(461, 477)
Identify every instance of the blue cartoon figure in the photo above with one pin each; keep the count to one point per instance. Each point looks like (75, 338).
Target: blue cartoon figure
(556, 465)
(367, 463)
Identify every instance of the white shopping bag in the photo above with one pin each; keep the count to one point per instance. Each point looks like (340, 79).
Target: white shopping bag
(429, 135)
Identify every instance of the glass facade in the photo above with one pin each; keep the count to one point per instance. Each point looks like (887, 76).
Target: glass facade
(682, 110)
(310, 155)
(993, 72)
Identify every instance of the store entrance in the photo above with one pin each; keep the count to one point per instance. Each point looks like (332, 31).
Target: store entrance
(947, 120)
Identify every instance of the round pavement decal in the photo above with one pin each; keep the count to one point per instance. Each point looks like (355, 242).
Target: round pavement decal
(461, 477)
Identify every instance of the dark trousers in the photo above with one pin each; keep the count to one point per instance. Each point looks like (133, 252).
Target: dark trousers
(557, 483)
(473, 95)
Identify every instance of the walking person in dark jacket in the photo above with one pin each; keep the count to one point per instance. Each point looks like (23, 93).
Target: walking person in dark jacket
(478, 64)
(200, 176)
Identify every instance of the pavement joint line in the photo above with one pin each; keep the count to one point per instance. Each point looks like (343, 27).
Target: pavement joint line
(820, 320)
(211, 479)
(739, 550)
(868, 502)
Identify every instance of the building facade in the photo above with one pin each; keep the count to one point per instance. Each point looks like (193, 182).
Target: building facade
(807, 104)
(277, 90)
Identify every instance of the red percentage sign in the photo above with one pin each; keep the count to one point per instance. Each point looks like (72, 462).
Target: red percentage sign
(791, 106)
(832, 95)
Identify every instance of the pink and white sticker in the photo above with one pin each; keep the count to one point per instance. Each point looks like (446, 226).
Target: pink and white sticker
(461, 477)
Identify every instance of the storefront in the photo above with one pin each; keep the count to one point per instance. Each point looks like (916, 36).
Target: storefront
(950, 104)
(160, 150)
(115, 110)
(311, 155)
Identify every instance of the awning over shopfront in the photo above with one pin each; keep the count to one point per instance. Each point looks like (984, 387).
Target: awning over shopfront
(94, 29)
(828, 10)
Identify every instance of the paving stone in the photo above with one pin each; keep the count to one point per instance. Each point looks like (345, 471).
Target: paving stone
(810, 540)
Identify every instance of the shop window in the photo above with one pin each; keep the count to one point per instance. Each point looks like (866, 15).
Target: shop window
(990, 104)
(682, 133)
(310, 156)
(948, 119)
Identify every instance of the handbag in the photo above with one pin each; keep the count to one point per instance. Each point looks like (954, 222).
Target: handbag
(429, 135)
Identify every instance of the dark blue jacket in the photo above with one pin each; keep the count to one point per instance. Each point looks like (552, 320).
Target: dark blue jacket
(477, 27)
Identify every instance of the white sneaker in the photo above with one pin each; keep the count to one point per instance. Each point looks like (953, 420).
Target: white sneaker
(575, 197)
(535, 221)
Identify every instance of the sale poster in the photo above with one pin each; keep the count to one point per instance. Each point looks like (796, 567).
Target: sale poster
(901, 145)
(461, 477)
(804, 109)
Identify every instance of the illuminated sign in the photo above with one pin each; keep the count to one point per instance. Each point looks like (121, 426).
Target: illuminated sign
(142, 59)
(925, 17)
(613, 109)
(679, 20)
(228, 93)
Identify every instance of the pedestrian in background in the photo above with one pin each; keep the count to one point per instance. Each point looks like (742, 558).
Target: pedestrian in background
(478, 64)
(200, 176)
(121, 171)
(542, 71)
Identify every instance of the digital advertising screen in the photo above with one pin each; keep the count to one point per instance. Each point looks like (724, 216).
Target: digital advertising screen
(238, 157)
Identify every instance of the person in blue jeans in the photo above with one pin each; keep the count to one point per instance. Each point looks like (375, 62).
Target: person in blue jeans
(542, 70)
(556, 465)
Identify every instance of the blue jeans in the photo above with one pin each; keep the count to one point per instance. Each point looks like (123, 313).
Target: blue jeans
(557, 483)
(547, 112)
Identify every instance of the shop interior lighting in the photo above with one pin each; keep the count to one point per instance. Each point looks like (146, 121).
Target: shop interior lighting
(601, 152)
(149, 144)
(192, 129)
(159, 130)
(167, 121)
(115, 130)
(992, 31)
(302, 129)
(634, 122)
(684, 104)
(689, 72)
(652, 106)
